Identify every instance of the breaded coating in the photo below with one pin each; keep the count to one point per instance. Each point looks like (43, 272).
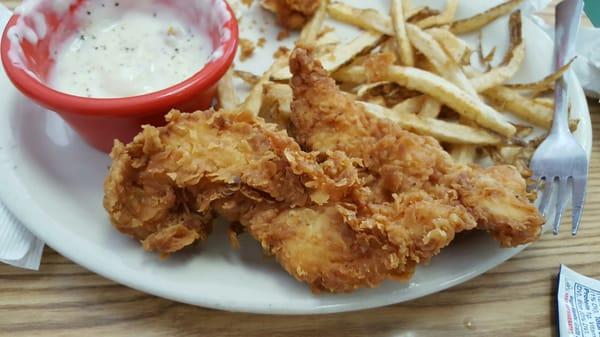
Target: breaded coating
(160, 188)
(292, 14)
(325, 119)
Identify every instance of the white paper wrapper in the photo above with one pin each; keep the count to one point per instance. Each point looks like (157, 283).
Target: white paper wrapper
(578, 300)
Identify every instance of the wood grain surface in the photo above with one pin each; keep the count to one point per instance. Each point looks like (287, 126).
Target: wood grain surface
(515, 299)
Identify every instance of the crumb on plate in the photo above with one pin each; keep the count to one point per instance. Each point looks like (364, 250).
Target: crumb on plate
(246, 49)
(282, 35)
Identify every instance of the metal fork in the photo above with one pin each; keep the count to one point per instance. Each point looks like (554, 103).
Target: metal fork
(560, 160)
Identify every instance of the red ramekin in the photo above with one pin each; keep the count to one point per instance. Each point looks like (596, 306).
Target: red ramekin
(101, 120)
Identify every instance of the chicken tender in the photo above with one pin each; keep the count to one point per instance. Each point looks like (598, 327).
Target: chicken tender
(325, 119)
(161, 187)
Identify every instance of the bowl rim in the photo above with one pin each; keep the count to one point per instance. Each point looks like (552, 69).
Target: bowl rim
(137, 105)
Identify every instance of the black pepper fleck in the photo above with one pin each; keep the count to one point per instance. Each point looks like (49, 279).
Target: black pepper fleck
(89, 13)
(116, 4)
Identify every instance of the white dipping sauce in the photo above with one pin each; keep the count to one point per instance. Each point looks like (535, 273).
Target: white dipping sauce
(120, 52)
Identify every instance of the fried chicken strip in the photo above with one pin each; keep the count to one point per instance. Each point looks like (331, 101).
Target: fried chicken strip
(161, 187)
(403, 163)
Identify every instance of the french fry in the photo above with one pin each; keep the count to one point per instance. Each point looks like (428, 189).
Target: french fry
(445, 92)
(247, 77)
(573, 124)
(442, 63)
(329, 38)
(523, 131)
(341, 55)
(431, 108)
(508, 155)
(484, 60)
(270, 5)
(405, 52)
(253, 102)
(368, 19)
(388, 46)
(363, 89)
(308, 35)
(450, 95)
(487, 59)
(326, 43)
(478, 21)
(464, 154)
(549, 102)
(371, 19)
(522, 107)
(443, 131)
(282, 94)
(351, 74)
(455, 47)
(271, 110)
(446, 17)
(545, 84)
(228, 99)
(379, 100)
(410, 105)
(415, 15)
(406, 6)
(277, 106)
(512, 60)
(389, 93)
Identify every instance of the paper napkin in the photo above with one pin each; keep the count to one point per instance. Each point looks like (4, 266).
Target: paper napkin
(587, 65)
(18, 247)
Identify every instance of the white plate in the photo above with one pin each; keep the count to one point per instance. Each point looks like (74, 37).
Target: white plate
(52, 181)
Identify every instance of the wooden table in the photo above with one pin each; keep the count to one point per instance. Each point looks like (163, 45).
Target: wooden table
(515, 299)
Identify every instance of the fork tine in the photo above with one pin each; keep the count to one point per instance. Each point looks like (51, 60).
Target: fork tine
(561, 201)
(579, 188)
(546, 194)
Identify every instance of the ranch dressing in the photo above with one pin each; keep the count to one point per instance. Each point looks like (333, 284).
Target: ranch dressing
(120, 52)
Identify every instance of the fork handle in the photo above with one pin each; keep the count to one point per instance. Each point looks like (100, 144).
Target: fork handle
(568, 20)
